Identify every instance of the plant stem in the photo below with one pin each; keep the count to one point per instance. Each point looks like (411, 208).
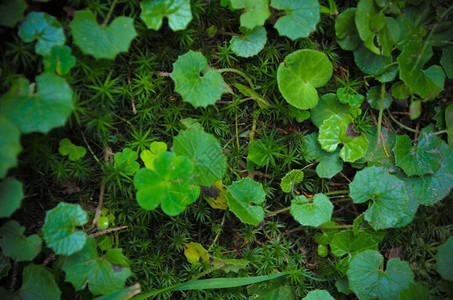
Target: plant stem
(336, 193)
(99, 233)
(99, 208)
(278, 212)
(400, 124)
(252, 86)
(106, 20)
(381, 111)
(336, 227)
(218, 234)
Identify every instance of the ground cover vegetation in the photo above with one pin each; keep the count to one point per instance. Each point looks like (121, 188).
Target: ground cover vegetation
(226, 149)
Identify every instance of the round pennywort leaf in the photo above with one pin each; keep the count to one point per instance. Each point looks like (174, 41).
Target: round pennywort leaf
(311, 212)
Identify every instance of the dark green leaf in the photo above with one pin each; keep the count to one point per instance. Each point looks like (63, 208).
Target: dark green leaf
(11, 12)
(11, 196)
(374, 98)
(37, 284)
(123, 294)
(281, 292)
(449, 123)
(60, 60)
(444, 259)
(328, 106)
(177, 11)
(400, 91)
(376, 65)
(126, 161)
(15, 245)
(9, 144)
(5, 265)
(346, 242)
(255, 12)
(416, 291)
(447, 61)
(330, 164)
(311, 212)
(250, 43)
(291, 179)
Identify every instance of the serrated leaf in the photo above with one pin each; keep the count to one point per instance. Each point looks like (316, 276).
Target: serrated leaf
(299, 75)
(148, 156)
(300, 19)
(99, 40)
(15, 245)
(194, 88)
(205, 152)
(241, 195)
(310, 147)
(11, 12)
(330, 164)
(388, 195)
(374, 64)
(177, 12)
(75, 152)
(444, 259)
(298, 114)
(43, 27)
(250, 43)
(328, 106)
(291, 179)
(420, 159)
(40, 111)
(195, 251)
(447, 61)
(376, 155)
(221, 201)
(346, 96)
(346, 242)
(9, 144)
(60, 232)
(318, 295)
(126, 161)
(101, 274)
(11, 195)
(311, 212)
(373, 96)
(334, 131)
(59, 60)
(255, 12)
(170, 184)
(122, 294)
(367, 280)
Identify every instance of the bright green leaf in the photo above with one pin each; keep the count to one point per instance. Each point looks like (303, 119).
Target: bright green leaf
(15, 245)
(75, 152)
(102, 41)
(328, 106)
(197, 83)
(9, 144)
(148, 156)
(346, 97)
(299, 75)
(330, 164)
(388, 195)
(101, 273)
(364, 18)
(298, 114)
(291, 179)
(43, 27)
(205, 152)
(345, 23)
(11, 195)
(374, 64)
(376, 155)
(318, 295)
(60, 60)
(444, 259)
(11, 12)
(60, 232)
(258, 153)
(255, 12)
(311, 212)
(122, 294)
(368, 280)
(300, 19)
(40, 111)
(447, 61)
(373, 96)
(177, 11)
(195, 251)
(126, 161)
(346, 242)
(241, 194)
(250, 42)
(37, 283)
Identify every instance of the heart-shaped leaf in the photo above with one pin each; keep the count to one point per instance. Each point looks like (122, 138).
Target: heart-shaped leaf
(177, 11)
(126, 161)
(318, 295)
(11, 195)
(311, 212)
(60, 60)
(255, 12)
(291, 179)
(374, 98)
(75, 152)
(346, 31)
(12, 12)
(299, 75)
(328, 106)
(9, 144)
(250, 42)
(444, 261)
(195, 251)
(196, 83)
(15, 245)
(148, 156)
(99, 40)
(241, 194)
(300, 19)
(346, 242)
(43, 27)
(374, 64)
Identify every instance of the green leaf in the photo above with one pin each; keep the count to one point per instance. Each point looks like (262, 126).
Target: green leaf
(420, 159)
(280, 292)
(318, 295)
(5, 265)
(43, 27)
(148, 156)
(368, 280)
(11, 196)
(102, 41)
(291, 179)
(373, 96)
(400, 91)
(345, 96)
(365, 17)
(250, 43)
(300, 19)
(335, 131)
(126, 161)
(11, 12)
(59, 60)
(376, 155)
(444, 259)
(374, 64)
(299, 115)
(195, 251)
(426, 83)
(37, 283)
(9, 143)
(75, 152)
(177, 11)
(330, 164)
(205, 152)
(449, 123)
(40, 111)
(230, 265)
(416, 291)
(194, 88)
(248, 92)
(15, 245)
(255, 12)
(388, 195)
(122, 294)
(241, 194)
(60, 232)
(170, 184)
(310, 147)
(299, 75)
(328, 106)
(415, 109)
(447, 61)
(258, 153)
(346, 242)
(101, 273)
(345, 23)
(311, 212)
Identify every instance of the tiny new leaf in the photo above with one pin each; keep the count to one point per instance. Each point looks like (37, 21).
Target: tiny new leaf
(241, 194)
(102, 41)
(103, 274)
(177, 11)
(311, 212)
(195, 251)
(9, 144)
(148, 156)
(195, 81)
(170, 184)
(15, 245)
(444, 259)
(328, 106)
(250, 42)
(368, 280)
(75, 152)
(255, 12)
(60, 231)
(59, 60)
(291, 179)
(126, 161)
(299, 75)
(11, 195)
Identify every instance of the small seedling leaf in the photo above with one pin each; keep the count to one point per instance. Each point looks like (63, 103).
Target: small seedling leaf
(148, 156)
(126, 161)
(195, 251)
(59, 60)
(291, 179)
(75, 152)
(9, 144)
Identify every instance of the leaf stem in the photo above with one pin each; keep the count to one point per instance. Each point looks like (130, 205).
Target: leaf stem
(220, 231)
(381, 112)
(106, 20)
(400, 124)
(336, 193)
(252, 86)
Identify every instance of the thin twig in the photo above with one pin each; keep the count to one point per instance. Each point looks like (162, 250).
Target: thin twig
(99, 208)
(49, 258)
(99, 233)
